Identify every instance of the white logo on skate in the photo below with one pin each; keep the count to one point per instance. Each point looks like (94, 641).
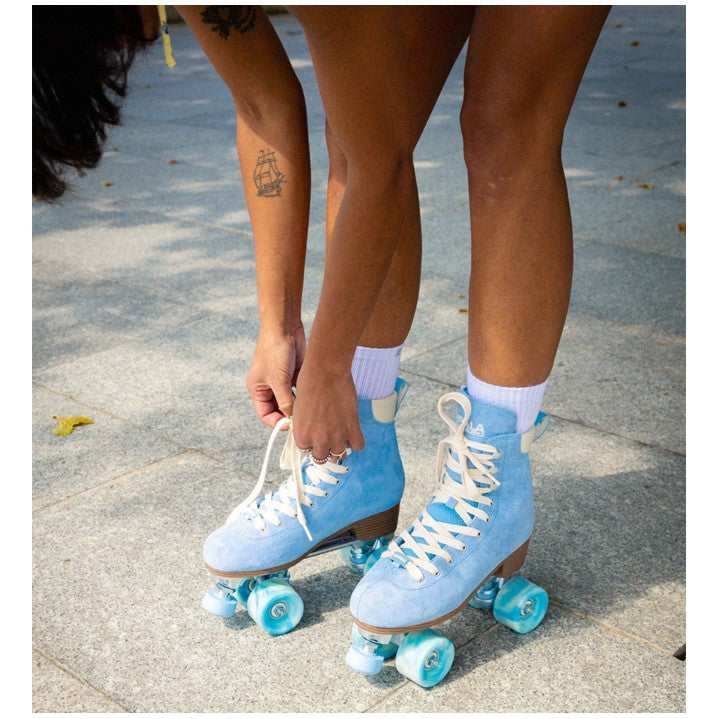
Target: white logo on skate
(476, 430)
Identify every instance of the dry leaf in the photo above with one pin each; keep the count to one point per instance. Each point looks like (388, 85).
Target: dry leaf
(463, 309)
(105, 183)
(682, 226)
(635, 43)
(65, 425)
(622, 103)
(619, 178)
(171, 162)
(645, 185)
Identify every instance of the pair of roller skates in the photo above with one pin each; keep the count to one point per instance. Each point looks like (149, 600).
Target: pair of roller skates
(463, 549)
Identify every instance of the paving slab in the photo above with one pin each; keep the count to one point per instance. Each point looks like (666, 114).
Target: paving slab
(76, 314)
(66, 466)
(566, 665)
(186, 384)
(55, 690)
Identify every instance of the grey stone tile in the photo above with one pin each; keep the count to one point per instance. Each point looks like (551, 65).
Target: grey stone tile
(75, 314)
(64, 466)
(54, 690)
(188, 384)
(610, 531)
(626, 380)
(621, 214)
(211, 269)
(566, 665)
(212, 195)
(635, 288)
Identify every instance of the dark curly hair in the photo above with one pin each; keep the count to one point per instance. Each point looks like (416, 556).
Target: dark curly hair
(81, 56)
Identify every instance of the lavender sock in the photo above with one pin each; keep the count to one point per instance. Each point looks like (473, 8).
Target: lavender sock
(375, 370)
(523, 401)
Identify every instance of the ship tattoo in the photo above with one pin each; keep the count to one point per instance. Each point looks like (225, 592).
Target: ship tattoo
(267, 176)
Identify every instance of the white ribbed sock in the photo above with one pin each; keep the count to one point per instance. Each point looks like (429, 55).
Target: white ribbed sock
(375, 370)
(523, 401)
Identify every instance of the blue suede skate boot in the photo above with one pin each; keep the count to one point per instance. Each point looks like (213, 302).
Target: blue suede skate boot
(472, 536)
(352, 504)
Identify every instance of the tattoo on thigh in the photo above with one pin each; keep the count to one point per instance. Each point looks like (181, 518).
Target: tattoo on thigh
(225, 17)
(267, 176)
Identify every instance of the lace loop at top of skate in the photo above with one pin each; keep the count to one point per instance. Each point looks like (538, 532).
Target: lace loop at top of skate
(466, 493)
(284, 500)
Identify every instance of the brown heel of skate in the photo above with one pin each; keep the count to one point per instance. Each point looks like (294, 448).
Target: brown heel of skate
(379, 525)
(513, 563)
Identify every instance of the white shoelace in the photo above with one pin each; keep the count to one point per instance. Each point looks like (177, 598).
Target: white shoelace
(267, 509)
(474, 464)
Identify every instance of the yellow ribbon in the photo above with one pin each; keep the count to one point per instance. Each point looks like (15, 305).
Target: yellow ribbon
(166, 44)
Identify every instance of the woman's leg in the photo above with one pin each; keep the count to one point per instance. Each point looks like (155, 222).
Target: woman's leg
(523, 68)
(433, 37)
(524, 65)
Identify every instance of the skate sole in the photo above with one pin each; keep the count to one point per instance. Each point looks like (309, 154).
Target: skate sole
(513, 563)
(378, 525)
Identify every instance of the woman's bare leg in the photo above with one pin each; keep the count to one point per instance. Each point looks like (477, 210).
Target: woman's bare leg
(433, 37)
(523, 68)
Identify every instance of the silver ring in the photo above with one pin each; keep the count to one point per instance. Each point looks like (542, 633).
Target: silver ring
(337, 456)
(319, 461)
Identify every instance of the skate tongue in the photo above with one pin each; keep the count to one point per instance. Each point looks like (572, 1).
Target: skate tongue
(486, 420)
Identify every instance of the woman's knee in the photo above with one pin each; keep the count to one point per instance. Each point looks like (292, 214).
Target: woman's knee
(501, 135)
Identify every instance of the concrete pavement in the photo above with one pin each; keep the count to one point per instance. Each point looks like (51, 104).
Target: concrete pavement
(144, 319)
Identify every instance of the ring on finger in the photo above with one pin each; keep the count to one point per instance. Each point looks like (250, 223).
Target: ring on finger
(337, 456)
(321, 460)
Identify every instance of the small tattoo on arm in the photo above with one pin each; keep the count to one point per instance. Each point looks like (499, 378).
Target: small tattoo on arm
(225, 17)
(267, 176)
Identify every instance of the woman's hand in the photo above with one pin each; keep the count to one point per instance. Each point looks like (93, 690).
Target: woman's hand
(325, 415)
(273, 372)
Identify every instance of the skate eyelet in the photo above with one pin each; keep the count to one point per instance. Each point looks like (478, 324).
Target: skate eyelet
(310, 504)
(462, 548)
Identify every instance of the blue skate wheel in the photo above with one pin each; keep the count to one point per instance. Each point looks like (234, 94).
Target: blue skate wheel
(244, 590)
(386, 651)
(425, 657)
(219, 604)
(275, 606)
(363, 662)
(520, 605)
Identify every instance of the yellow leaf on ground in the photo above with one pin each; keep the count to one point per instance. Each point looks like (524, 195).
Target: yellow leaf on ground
(106, 183)
(65, 425)
(682, 226)
(645, 185)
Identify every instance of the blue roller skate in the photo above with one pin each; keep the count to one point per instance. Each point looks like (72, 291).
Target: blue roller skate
(351, 504)
(464, 547)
